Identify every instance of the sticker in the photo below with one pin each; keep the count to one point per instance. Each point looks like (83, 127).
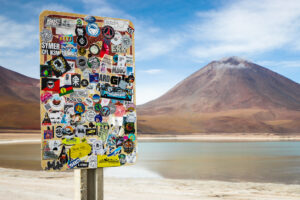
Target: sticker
(126, 41)
(119, 25)
(80, 31)
(122, 158)
(108, 32)
(80, 150)
(48, 134)
(82, 51)
(105, 48)
(129, 59)
(90, 115)
(94, 78)
(115, 93)
(93, 30)
(105, 111)
(46, 96)
(59, 65)
(89, 101)
(104, 78)
(57, 102)
(98, 147)
(129, 71)
(81, 62)
(93, 62)
(46, 71)
(65, 39)
(117, 39)
(79, 22)
(50, 84)
(82, 41)
(55, 117)
(130, 30)
(66, 89)
(80, 131)
(74, 163)
(76, 78)
(69, 51)
(79, 108)
(84, 82)
(118, 70)
(94, 49)
(92, 161)
(128, 146)
(90, 19)
(129, 127)
(131, 136)
(49, 48)
(105, 161)
(91, 131)
(46, 35)
(118, 49)
(83, 165)
(96, 98)
(98, 118)
(122, 62)
(58, 132)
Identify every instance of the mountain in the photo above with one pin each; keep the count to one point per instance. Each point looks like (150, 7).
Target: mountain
(19, 101)
(231, 95)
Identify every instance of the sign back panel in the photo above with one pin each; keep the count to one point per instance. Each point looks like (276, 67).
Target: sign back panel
(87, 76)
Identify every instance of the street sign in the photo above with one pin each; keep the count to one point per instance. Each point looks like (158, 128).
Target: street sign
(87, 75)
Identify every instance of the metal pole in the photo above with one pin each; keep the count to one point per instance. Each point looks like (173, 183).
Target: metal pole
(88, 184)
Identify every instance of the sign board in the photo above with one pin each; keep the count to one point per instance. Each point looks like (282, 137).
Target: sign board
(87, 75)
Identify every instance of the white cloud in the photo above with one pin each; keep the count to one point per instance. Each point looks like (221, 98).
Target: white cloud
(246, 28)
(16, 35)
(280, 64)
(153, 71)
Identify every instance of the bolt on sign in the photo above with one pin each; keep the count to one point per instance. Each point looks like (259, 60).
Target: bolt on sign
(87, 75)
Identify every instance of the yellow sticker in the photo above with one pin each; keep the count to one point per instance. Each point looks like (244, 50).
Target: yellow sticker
(105, 161)
(80, 150)
(72, 141)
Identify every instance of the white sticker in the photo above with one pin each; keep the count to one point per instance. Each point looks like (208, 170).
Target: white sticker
(118, 25)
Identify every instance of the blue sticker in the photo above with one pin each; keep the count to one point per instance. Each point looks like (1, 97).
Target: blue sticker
(79, 108)
(90, 19)
(93, 30)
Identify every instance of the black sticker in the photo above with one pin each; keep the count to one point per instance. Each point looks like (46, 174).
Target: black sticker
(108, 32)
(76, 79)
(82, 41)
(46, 71)
(84, 83)
(59, 65)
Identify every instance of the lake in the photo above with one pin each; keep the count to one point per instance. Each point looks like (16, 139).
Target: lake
(277, 162)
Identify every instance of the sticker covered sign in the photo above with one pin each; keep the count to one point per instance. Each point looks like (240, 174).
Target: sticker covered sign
(88, 116)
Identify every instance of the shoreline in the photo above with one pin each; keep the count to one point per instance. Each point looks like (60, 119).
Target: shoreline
(53, 185)
(6, 138)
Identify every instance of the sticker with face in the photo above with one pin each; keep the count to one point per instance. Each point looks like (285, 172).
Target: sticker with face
(57, 103)
(55, 117)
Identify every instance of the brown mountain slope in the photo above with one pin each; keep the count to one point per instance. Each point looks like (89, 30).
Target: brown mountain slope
(230, 95)
(19, 100)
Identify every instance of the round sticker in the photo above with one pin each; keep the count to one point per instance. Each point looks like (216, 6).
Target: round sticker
(90, 115)
(90, 19)
(81, 62)
(105, 111)
(93, 62)
(92, 29)
(131, 137)
(82, 51)
(46, 35)
(57, 102)
(108, 32)
(131, 79)
(129, 127)
(84, 82)
(128, 146)
(79, 108)
(116, 58)
(94, 49)
(59, 131)
(96, 98)
(97, 107)
(117, 38)
(126, 41)
(82, 41)
(98, 118)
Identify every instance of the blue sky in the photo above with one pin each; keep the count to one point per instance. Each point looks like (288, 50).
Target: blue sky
(173, 38)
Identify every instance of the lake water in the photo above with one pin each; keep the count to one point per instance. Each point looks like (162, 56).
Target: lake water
(228, 161)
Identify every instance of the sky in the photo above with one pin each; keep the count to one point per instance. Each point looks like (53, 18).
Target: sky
(173, 39)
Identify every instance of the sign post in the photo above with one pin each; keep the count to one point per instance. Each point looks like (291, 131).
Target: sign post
(88, 97)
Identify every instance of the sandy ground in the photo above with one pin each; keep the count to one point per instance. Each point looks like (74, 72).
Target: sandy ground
(37, 185)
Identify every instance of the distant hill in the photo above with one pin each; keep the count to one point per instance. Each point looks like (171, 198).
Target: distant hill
(19, 100)
(231, 95)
